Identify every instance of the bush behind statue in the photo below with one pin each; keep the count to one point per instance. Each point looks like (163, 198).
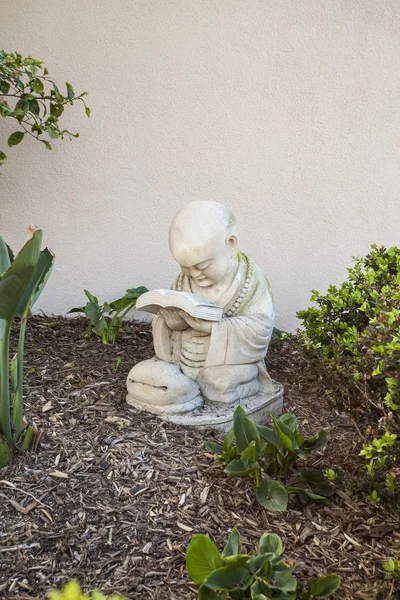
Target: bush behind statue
(355, 329)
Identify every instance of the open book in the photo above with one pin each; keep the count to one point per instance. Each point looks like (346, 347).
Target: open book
(193, 304)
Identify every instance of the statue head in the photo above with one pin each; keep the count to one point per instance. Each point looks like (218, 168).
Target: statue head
(203, 240)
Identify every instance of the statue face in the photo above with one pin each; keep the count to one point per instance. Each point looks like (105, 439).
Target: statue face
(209, 265)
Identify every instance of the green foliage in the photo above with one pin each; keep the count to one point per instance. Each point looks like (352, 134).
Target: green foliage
(238, 576)
(22, 280)
(392, 568)
(30, 97)
(355, 329)
(263, 453)
(330, 474)
(72, 591)
(105, 320)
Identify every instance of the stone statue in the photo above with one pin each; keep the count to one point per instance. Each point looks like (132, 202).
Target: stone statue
(198, 361)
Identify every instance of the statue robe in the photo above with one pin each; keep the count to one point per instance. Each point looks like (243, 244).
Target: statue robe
(229, 364)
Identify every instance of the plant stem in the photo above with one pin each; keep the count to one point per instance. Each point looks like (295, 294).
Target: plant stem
(5, 424)
(17, 408)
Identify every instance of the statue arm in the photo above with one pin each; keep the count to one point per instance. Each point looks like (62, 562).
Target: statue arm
(240, 340)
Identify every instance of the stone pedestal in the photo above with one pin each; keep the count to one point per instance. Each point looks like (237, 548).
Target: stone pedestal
(219, 417)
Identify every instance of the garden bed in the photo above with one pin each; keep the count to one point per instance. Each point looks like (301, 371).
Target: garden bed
(113, 496)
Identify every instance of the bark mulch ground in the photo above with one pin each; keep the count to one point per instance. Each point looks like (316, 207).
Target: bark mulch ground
(112, 496)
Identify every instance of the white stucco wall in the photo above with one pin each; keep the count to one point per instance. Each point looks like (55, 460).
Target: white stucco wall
(287, 110)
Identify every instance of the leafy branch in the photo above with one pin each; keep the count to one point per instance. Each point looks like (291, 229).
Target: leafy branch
(33, 99)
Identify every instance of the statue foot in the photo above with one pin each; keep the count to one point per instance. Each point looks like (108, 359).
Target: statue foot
(161, 388)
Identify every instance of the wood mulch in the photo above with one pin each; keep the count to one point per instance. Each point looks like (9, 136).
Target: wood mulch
(112, 496)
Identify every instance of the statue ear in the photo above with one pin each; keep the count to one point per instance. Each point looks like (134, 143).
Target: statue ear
(232, 242)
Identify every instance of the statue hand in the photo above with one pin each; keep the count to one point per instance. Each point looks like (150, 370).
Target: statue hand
(173, 319)
(197, 324)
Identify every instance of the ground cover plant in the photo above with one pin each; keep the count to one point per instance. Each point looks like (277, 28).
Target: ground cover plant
(22, 279)
(33, 100)
(355, 330)
(238, 575)
(267, 455)
(72, 591)
(113, 496)
(106, 320)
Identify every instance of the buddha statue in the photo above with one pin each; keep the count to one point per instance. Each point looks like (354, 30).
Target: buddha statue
(198, 361)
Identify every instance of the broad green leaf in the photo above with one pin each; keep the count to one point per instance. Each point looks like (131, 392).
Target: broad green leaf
(91, 297)
(229, 440)
(290, 421)
(238, 560)
(15, 138)
(282, 579)
(37, 283)
(136, 292)
(206, 593)
(245, 430)
(202, 558)
(229, 578)
(239, 467)
(233, 545)
(3, 157)
(286, 437)
(5, 261)
(255, 563)
(272, 495)
(323, 587)
(250, 453)
(271, 542)
(215, 448)
(269, 435)
(260, 588)
(15, 279)
(101, 327)
(93, 312)
(229, 454)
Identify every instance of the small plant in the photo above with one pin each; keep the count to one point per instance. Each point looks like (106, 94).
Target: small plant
(267, 454)
(238, 576)
(374, 497)
(105, 320)
(22, 279)
(330, 474)
(392, 568)
(72, 591)
(33, 100)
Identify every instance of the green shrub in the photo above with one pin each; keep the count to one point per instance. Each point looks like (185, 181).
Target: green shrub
(105, 320)
(263, 576)
(263, 453)
(355, 329)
